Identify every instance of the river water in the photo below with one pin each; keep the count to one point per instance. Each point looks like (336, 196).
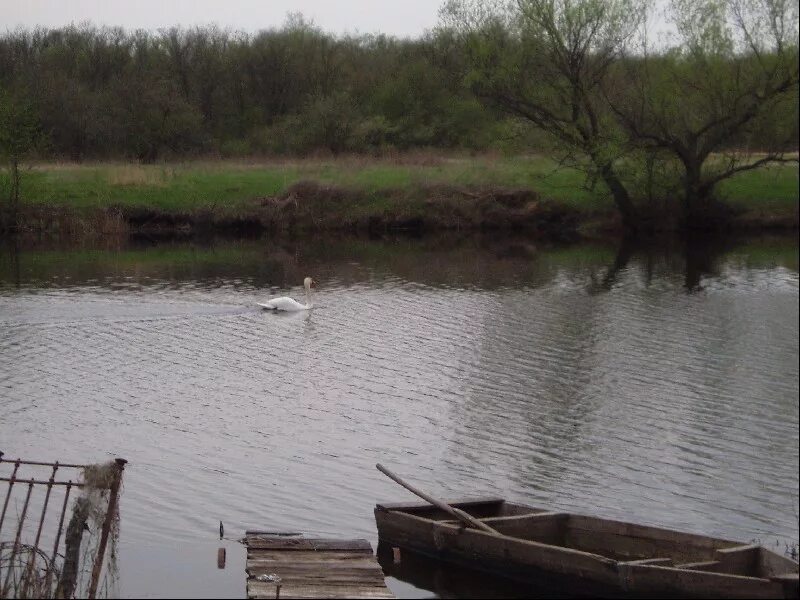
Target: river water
(653, 385)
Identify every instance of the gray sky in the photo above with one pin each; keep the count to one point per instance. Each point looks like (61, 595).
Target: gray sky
(394, 17)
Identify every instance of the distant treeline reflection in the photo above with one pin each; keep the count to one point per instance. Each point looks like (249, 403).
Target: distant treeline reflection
(476, 262)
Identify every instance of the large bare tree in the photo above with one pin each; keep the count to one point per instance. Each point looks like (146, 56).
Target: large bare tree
(547, 61)
(634, 109)
(696, 100)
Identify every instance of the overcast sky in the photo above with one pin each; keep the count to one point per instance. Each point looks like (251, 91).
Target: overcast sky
(396, 17)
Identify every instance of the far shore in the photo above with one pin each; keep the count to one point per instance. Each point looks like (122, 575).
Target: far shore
(415, 192)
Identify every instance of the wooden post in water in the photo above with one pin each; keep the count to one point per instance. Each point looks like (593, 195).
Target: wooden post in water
(112, 509)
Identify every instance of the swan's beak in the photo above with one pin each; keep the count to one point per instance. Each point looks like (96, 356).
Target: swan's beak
(313, 283)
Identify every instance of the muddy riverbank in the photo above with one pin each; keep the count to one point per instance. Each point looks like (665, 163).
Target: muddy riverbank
(311, 207)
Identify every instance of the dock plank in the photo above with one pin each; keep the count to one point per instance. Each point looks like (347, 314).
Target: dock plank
(329, 565)
(312, 568)
(269, 590)
(258, 542)
(296, 556)
(300, 575)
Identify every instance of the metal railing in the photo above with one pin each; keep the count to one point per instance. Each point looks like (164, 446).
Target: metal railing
(38, 498)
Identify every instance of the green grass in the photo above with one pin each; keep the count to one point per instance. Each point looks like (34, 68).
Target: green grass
(775, 188)
(234, 185)
(179, 188)
(230, 186)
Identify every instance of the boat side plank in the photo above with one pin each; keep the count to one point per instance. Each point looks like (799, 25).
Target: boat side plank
(503, 550)
(628, 541)
(695, 584)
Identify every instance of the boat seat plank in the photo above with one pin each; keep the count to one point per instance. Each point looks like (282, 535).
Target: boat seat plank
(705, 565)
(648, 561)
(250, 532)
(521, 518)
(739, 549)
(531, 516)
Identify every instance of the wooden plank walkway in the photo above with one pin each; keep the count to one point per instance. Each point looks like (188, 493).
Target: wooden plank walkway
(311, 568)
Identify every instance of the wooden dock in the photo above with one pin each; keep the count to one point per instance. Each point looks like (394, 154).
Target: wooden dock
(292, 566)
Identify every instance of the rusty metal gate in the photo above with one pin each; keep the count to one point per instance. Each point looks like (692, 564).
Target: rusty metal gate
(55, 524)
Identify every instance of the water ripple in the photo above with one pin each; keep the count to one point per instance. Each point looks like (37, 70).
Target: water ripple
(642, 402)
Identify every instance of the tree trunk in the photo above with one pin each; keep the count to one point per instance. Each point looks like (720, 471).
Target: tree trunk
(690, 190)
(72, 548)
(621, 197)
(698, 210)
(14, 197)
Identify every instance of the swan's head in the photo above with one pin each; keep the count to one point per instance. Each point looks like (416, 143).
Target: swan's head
(308, 283)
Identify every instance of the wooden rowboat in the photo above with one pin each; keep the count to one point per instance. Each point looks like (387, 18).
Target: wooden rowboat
(618, 557)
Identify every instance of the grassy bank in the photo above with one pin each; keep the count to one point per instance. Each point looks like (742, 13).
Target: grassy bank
(412, 190)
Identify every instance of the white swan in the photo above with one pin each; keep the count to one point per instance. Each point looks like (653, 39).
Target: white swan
(290, 304)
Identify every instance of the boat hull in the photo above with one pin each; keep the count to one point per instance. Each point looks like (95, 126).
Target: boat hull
(625, 558)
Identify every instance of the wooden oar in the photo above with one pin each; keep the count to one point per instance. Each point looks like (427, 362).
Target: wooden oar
(456, 512)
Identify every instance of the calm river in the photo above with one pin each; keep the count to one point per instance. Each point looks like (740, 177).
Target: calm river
(653, 386)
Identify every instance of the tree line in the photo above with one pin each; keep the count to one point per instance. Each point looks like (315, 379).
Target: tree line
(106, 92)
(647, 115)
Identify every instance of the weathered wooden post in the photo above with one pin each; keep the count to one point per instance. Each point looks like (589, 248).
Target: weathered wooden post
(112, 509)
